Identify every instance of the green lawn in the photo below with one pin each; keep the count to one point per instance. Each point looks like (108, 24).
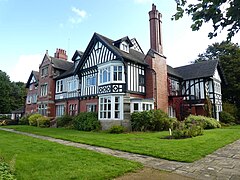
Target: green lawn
(40, 159)
(153, 144)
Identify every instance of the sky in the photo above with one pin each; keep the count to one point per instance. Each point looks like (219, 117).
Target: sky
(30, 27)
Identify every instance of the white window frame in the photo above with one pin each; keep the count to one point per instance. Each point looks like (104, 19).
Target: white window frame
(109, 69)
(91, 107)
(72, 85)
(60, 110)
(107, 110)
(59, 86)
(143, 105)
(44, 90)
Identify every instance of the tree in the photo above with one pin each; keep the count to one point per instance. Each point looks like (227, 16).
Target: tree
(222, 13)
(229, 56)
(5, 86)
(12, 94)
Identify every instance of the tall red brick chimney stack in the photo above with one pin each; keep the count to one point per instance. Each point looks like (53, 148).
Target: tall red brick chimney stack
(60, 54)
(155, 19)
(156, 81)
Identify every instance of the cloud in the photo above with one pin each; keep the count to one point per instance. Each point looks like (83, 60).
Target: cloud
(24, 66)
(79, 15)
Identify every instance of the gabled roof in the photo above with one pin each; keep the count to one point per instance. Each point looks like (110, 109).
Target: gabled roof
(119, 41)
(34, 74)
(77, 54)
(173, 72)
(67, 73)
(198, 70)
(133, 55)
(61, 64)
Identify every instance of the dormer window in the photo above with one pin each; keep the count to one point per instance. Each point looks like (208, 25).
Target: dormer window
(124, 47)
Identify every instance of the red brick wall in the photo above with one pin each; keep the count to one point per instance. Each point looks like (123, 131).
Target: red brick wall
(84, 102)
(50, 97)
(156, 81)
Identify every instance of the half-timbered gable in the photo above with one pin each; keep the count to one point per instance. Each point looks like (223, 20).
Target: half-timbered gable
(32, 93)
(200, 82)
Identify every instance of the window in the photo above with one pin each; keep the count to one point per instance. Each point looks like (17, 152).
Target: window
(111, 73)
(91, 80)
(60, 110)
(43, 90)
(124, 47)
(34, 98)
(117, 73)
(42, 109)
(72, 109)
(171, 112)
(105, 108)
(59, 87)
(91, 108)
(44, 71)
(29, 98)
(146, 107)
(141, 80)
(135, 106)
(110, 107)
(72, 85)
(105, 75)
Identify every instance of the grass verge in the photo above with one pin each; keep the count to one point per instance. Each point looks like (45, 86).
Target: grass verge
(152, 144)
(39, 159)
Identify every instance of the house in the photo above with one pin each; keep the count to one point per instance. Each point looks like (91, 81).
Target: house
(116, 78)
(32, 93)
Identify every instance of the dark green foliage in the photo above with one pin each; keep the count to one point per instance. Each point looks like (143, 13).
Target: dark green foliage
(204, 122)
(4, 117)
(203, 11)
(24, 119)
(43, 121)
(116, 130)
(33, 119)
(229, 55)
(226, 118)
(153, 120)
(5, 172)
(231, 109)
(65, 121)
(86, 121)
(187, 130)
(11, 94)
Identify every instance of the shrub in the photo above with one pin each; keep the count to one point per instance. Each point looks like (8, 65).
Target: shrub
(231, 109)
(33, 119)
(226, 118)
(116, 130)
(24, 120)
(43, 121)
(153, 120)
(183, 130)
(5, 172)
(86, 121)
(65, 121)
(204, 122)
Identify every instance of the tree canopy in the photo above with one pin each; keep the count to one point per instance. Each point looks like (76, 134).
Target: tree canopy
(224, 14)
(12, 94)
(229, 55)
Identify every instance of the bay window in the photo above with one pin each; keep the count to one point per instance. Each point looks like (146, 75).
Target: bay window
(111, 73)
(110, 107)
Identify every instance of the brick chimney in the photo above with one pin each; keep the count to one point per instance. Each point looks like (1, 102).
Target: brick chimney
(155, 19)
(156, 73)
(60, 54)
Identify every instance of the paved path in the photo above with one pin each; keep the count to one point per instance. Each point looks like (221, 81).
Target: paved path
(222, 164)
